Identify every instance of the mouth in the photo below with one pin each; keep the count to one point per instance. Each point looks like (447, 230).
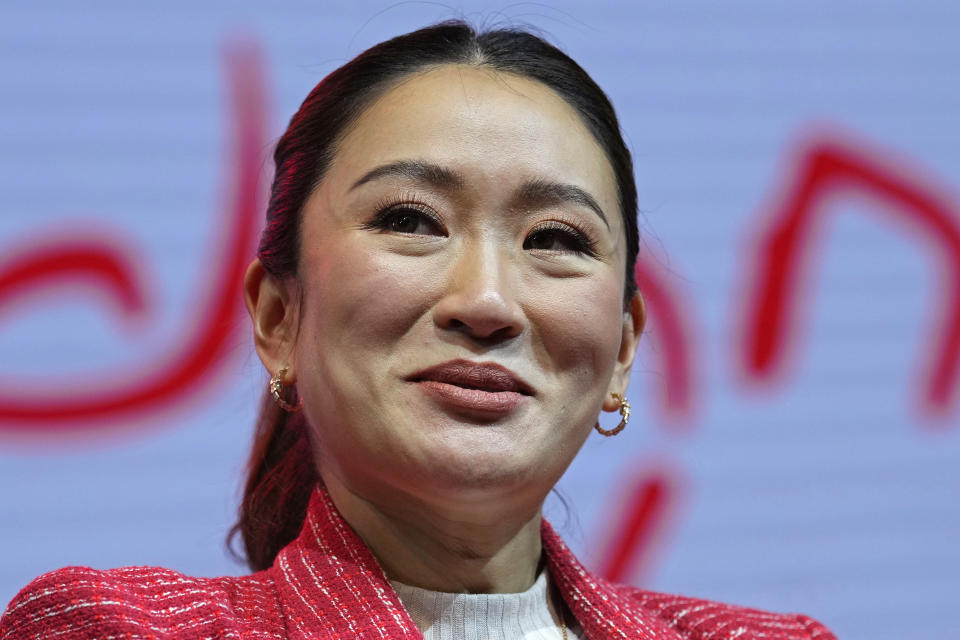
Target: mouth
(481, 376)
(479, 386)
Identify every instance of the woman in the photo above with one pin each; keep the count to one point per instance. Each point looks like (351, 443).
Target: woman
(444, 298)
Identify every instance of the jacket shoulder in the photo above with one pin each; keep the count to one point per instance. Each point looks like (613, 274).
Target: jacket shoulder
(708, 620)
(140, 602)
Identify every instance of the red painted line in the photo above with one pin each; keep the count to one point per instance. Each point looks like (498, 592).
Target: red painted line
(640, 521)
(675, 339)
(98, 263)
(828, 167)
(164, 384)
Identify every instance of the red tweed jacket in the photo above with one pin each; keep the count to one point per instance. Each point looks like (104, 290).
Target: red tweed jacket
(327, 585)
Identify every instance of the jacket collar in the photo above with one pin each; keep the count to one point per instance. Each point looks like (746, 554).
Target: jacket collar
(331, 586)
(603, 609)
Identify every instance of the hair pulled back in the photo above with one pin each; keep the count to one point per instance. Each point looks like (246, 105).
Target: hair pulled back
(281, 471)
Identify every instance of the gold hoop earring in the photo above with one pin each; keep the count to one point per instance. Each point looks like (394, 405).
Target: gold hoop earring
(276, 387)
(624, 418)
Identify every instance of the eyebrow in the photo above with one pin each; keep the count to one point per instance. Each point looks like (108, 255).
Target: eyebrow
(415, 170)
(537, 192)
(545, 192)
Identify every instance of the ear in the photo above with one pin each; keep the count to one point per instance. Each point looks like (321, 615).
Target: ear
(634, 320)
(272, 309)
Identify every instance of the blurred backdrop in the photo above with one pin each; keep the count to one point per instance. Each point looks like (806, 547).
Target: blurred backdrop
(796, 435)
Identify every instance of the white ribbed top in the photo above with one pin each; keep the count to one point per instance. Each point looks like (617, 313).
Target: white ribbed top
(530, 615)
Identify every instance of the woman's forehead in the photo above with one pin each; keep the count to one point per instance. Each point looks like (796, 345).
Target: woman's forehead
(486, 126)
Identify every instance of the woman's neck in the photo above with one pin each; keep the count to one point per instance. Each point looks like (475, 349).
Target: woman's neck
(452, 549)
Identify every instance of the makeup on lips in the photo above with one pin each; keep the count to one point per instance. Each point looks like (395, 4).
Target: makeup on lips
(478, 386)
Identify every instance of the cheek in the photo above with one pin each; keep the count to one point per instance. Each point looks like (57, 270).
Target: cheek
(360, 301)
(358, 305)
(580, 328)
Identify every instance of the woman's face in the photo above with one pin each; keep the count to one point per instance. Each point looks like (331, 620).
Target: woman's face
(461, 290)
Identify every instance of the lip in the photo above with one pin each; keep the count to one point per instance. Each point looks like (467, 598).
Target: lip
(481, 386)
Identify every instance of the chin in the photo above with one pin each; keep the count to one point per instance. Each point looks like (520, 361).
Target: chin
(480, 470)
(455, 457)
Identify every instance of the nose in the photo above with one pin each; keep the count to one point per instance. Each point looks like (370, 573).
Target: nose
(480, 299)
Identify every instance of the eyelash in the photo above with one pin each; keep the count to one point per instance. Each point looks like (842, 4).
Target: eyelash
(410, 204)
(583, 243)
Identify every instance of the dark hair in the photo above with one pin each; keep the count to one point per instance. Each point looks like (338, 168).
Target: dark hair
(281, 470)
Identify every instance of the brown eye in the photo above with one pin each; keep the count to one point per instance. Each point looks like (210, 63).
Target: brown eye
(559, 238)
(404, 222)
(408, 221)
(550, 240)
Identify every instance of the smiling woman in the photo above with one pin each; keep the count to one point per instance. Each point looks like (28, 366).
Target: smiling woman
(443, 298)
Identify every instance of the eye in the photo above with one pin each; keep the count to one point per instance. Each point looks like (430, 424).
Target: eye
(559, 237)
(408, 220)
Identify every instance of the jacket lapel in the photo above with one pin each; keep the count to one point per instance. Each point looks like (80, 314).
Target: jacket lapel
(331, 586)
(602, 608)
